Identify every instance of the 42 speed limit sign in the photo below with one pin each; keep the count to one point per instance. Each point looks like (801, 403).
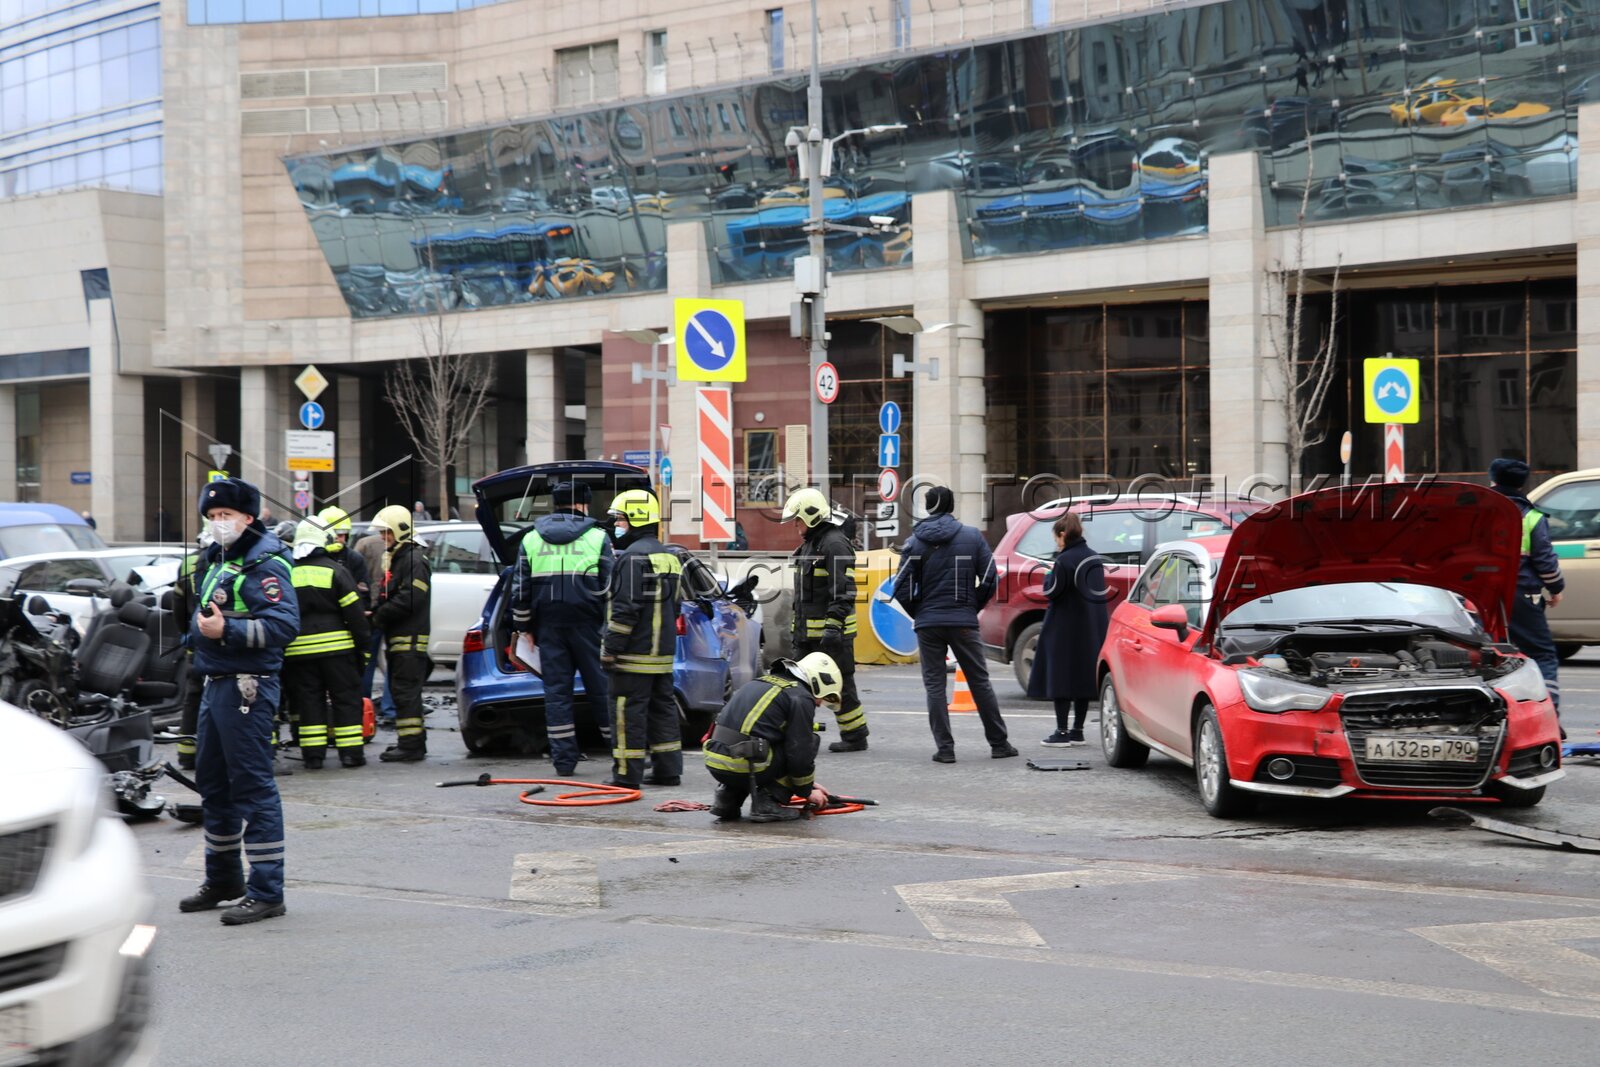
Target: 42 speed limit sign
(827, 382)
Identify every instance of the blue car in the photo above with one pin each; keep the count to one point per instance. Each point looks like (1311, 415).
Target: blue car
(498, 705)
(34, 529)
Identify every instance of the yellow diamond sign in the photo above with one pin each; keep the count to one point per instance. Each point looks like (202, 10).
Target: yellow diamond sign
(311, 382)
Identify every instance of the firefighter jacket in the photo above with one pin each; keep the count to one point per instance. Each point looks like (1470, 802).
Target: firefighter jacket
(778, 710)
(185, 591)
(562, 572)
(356, 564)
(333, 618)
(250, 584)
(403, 600)
(824, 583)
(642, 625)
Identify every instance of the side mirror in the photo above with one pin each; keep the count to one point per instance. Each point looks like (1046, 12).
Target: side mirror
(1172, 617)
(86, 587)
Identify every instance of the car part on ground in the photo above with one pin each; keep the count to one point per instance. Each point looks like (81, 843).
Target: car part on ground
(1548, 838)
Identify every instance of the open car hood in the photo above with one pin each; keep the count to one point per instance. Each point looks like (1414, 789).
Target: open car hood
(1450, 535)
(518, 496)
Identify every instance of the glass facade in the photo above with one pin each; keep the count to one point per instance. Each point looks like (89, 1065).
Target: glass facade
(223, 12)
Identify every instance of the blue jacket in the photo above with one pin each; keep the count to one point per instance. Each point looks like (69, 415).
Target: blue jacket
(556, 596)
(946, 574)
(253, 588)
(1540, 569)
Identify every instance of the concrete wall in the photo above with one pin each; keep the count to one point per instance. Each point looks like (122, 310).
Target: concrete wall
(64, 444)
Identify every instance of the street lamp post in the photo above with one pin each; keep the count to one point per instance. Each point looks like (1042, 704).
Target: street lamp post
(656, 341)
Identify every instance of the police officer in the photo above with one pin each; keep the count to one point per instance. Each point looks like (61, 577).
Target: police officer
(247, 616)
(185, 601)
(1539, 580)
(558, 597)
(763, 745)
(337, 522)
(640, 639)
(825, 604)
(403, 615)
(321, 668)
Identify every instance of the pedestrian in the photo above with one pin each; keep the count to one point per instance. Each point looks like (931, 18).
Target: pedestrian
(403, 614)
(946, 576)
(1539, 581)
(248, 614)
(419, 512)
(741, 540)
(764, 745)
(185, 601)
(370, 548)
(558, 592)
(825, 603)
(322, 668)
(1075, 620)
(640, 640)
(88, 519)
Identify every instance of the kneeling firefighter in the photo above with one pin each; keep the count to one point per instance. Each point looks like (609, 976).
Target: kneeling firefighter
(322, 666)
(763, 745)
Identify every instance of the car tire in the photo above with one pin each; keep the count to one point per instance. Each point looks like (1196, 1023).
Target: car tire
(477, 743)
(1023, 651)
(1566, 650)
(1120, 749)
(1515, 798)
(1217, 793)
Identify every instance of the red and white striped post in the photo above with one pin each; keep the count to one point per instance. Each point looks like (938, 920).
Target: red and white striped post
(714, 423)
(1394, 452)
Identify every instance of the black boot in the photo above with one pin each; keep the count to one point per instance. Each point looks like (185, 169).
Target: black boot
(250, 910)
(312, 762)
(210, 896)
(186, 761)
(726, 804)
(352, 757)
(402, 754)
(854, 741)
(660, 779)
(763, 808)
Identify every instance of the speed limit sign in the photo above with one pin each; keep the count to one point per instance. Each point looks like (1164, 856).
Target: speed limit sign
(827, 382)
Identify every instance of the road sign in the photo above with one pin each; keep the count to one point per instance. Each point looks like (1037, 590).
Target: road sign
(642, 457)
(302, 501)
(714, 420)
(887, 525)
(309, 450)
(890, 623)
(889, 417)
(302, 485)
(312, 416)
(310, 382)
(710, 337)
(1345, 444)
(666, 472)
(1391, 390)
(888, 484)
(827, 382)
(216, 475)
(889, 450)
(81, 477)
(666, 436)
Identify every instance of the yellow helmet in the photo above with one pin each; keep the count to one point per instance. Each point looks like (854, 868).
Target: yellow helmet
(807, 505)
(639, 506)
(396, 519)
(821, 673)
(337, 520)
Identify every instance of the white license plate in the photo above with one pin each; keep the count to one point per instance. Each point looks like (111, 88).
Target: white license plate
(1446, 749)
(16, 1036)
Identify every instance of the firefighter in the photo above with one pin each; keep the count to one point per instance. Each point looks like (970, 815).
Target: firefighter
(321, 666)
(825, 604)
(1539, 580)
(248, 614)
(185, 600)
(763, 745)
(337, 522)
(403, 616)
(640, 639)
(558, 598)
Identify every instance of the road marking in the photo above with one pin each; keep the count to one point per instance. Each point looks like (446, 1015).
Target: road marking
(976, 910)
(567, 882)
(1530, 950)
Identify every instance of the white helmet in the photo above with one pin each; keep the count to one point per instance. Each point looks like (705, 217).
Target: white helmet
(821, 674)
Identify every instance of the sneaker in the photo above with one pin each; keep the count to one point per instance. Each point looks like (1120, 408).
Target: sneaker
(397, 754)
(1059, 739)
(251, 910)
(1075, 737)
(209, 896)
(1005, 751)
(944, 755)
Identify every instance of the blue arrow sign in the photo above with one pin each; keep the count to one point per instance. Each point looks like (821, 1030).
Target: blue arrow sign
(890, 623)
(889, 450)
(666, 472)
(1391, 391)
(312, 416)
(710, 340)
(889, 417)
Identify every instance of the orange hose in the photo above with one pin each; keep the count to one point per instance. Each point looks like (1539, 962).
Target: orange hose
(584, 795)
(841, 809)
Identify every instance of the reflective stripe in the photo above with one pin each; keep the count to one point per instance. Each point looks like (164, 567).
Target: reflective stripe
(187, 747)
(408, 727)
(798, 781)
(264, 846)
(665, 563)
(717, 761)
(819, 572)
(761, 705)
(348, 599)
(643, 664)
(311, 576)
(408, 643)
(668, 746)
(619, 628)
(420, 584)
(331, 641)
(854, 719)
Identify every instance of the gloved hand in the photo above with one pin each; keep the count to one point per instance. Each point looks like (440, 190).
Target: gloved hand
(818, 798)
(832, 641)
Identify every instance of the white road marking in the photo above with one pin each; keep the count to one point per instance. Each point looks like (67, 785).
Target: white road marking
(975, 909)
(567, 882)
(1530, 951)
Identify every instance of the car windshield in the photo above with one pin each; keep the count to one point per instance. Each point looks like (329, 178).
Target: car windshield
(1355, 601)
(122, 566)
(43, 537)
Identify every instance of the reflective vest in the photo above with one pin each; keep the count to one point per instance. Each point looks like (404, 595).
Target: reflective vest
(1530, 519)
(581, 556)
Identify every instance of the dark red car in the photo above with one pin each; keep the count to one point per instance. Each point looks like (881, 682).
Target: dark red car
(1123, 530)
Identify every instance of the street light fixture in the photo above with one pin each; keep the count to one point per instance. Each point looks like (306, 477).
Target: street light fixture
(907, 324)
(656, 341)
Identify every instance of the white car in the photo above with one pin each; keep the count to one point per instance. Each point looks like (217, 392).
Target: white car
(465, 569)
(149, 568)
(73, 905)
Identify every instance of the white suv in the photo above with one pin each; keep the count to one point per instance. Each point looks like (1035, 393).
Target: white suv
(73, 979)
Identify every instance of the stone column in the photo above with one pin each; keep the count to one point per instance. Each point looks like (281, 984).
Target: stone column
(689, 268)
(1588, 238)
(262, 419)
(116, 436)
(547, 406)
(350, 451)
(8, 442)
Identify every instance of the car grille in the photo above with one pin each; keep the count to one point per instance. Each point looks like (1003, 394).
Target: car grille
(22, 854)
(1467, 713)
(23, 969)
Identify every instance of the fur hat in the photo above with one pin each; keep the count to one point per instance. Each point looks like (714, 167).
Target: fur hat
(566, 494)
(1511, 473)
(235, 493)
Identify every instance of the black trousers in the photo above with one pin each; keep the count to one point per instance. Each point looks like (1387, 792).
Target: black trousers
(852, 717)
(1530, 632)
(963, 641)
(770, 781)
(407, 673)
(644, 724)
(566, 651)
(324, 698)
(189, 718)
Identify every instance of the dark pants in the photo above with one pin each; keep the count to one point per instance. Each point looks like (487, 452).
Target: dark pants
(1070, 714)
(407, 673)
(567, 650)
(644, 722)
(852, 717)
(189, 718)
(370, 675)
(239, 802)
(324, 695)
(1530, 632)
(773, 781)
(963, 641)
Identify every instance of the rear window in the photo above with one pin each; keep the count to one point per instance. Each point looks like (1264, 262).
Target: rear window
(47, 537)
(533, 500)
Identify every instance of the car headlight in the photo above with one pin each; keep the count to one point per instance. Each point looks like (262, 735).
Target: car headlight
(1274, 694)
(90, 802)
(1524, 683)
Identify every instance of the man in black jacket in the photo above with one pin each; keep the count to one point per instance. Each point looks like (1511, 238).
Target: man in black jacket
(825, 604)
(403, 614)
(946, 577)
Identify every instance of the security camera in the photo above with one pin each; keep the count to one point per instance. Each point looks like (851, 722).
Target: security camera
(884, 221)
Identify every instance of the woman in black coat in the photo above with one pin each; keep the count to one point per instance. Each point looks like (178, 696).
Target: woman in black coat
(1075, 622)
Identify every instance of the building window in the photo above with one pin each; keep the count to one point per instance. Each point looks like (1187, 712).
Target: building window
(655, 70)
(27, 398)
(902, 23)
(775, 39)
(1039, 10)
(763, 482)
(586, 74)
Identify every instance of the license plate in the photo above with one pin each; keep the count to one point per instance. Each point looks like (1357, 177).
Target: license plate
(1445, 749)
(16, 1036)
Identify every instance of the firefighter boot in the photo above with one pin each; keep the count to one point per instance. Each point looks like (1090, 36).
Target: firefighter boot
(850, 741)
(764, 808)
(727, 802)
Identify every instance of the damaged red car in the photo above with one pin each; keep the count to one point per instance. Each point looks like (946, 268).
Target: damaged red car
(1344, 643)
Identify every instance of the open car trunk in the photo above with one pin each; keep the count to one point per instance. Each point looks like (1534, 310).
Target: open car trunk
(516, 498)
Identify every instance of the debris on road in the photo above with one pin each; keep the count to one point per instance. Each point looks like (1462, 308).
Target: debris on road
(1057, 765)
(1548, 838)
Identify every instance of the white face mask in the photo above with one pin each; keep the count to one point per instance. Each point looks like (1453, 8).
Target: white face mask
(225, 531)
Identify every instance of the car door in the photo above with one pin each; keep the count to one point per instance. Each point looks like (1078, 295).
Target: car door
(1120, 536)
(1173, 669)
(1129, 644)
(464, 571)
(1573, 508)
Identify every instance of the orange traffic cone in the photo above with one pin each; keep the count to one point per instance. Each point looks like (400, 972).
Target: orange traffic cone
(963, 695)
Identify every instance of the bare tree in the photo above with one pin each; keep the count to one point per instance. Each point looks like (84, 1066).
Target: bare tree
(439, 397)
(1304, 377)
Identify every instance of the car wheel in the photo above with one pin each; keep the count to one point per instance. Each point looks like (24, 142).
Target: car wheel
(1515, 798)
(1211, 769)
(1023, 651)
(1120, 749)
(477, 743)
(1567, 650)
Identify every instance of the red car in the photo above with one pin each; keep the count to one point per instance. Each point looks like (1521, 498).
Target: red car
(1330, 652)
(1123, 530)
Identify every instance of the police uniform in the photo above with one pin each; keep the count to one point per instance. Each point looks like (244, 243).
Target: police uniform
(763, 739)
(403, 614)
(249, 583)
(322, 666)
(825, 618)
(559, 584)
(1539, 574)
